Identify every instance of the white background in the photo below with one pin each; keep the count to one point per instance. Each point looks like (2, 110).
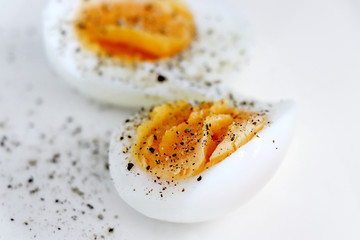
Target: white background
(308, 51)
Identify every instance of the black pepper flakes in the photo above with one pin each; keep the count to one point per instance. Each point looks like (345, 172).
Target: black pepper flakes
(35, 190)
(161, 78)
(199, 178)
(30, 180)
(151, 149)
(55, 158)
(130, 166)
(90, 206)
(77, 191)
(32, 162)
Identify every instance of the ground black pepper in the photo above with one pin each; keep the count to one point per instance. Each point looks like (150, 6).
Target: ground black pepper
(130, 166)
(90, 206)
(161, 78)
(151, 149)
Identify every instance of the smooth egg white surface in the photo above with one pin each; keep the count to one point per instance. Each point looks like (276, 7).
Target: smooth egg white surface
(216, 56)
(222, 188)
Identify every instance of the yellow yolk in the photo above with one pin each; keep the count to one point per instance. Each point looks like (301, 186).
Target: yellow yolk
(180, 141)
(135, 30)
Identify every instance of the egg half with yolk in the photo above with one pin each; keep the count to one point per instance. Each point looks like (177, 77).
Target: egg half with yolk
(136, 53)
(183, 162)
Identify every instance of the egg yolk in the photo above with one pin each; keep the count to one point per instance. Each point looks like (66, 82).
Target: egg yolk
(180, 141)
(135, 30)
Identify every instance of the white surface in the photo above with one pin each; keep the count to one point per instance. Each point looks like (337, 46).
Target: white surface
(305, 50)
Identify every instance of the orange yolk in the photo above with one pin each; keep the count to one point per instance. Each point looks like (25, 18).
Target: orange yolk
(180, 141)
(135, 30)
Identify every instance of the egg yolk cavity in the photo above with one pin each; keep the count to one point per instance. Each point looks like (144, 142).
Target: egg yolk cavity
(180, 141)
(135, 30)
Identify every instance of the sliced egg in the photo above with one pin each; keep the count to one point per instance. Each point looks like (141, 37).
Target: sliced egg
(134, 53)
(183, 162)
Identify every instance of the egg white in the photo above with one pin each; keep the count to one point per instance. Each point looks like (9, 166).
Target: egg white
(218, 55)
(222, 188)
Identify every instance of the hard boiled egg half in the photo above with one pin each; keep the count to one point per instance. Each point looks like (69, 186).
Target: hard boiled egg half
(192, 162)
(133, 53)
